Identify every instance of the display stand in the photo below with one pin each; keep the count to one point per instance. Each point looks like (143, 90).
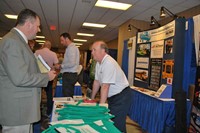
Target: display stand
(165, 91)
(159, 57)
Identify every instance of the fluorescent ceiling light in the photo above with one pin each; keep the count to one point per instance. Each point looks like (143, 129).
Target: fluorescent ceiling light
(94, 25)
(85, 34)
(79, 44)
(11, 16)
(80, 40)
(0, 38)
(41, 43)
(112, 4)
(39, 40)
(40, 36)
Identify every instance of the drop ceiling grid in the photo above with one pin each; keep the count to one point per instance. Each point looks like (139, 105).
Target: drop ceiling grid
(190, 3)
(51, 19)
(4, 8)
(79, 16)
(65, 12)
(14, 8)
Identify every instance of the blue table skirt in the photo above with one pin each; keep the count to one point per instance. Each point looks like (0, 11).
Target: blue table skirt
(153, 114)
(58, 91)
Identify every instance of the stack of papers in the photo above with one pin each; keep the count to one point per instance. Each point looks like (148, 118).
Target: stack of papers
(43, 66)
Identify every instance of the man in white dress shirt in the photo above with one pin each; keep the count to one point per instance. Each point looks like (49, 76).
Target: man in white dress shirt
(69, 66)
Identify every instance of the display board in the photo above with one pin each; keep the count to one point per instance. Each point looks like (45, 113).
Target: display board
(160, 55)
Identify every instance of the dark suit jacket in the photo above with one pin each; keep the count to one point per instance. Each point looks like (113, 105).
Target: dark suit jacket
(20, 82)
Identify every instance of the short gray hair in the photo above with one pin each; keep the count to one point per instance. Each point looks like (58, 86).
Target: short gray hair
(104, 46)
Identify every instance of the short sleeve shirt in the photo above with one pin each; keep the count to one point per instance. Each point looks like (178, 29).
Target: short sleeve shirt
(109, 72)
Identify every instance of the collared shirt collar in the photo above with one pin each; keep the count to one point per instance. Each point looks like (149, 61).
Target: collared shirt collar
(104, 58)
(22, 34)
(70, 44)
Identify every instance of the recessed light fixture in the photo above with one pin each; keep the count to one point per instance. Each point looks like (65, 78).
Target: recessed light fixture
(84, 34)
(40, 37)
(112, 4)
(11, 16)
(79, 44)
(80, 40)
(41, 43)
(39, 40)
(94, 25)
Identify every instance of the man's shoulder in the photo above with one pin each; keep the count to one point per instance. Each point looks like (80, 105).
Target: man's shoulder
(52, 52)
(110, 61)
(38, 51)
(73, 47)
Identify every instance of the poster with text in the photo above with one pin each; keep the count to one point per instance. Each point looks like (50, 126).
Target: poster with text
(161, 33)
(157, 49)
(156, 68)
(142, 62)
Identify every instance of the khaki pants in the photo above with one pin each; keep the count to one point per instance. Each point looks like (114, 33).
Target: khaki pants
(18, 129)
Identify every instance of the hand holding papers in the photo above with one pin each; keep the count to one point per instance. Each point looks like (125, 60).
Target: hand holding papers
(43, 66)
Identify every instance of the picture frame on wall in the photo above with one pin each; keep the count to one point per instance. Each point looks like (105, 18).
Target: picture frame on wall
(169, 46)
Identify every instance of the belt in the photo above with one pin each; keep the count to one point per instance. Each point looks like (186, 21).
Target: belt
(71, 72)
(118, 93)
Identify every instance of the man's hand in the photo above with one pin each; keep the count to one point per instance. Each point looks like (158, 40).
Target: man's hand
(57, 66)
(52, 75)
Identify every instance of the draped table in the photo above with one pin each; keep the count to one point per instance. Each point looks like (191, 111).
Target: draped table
(154, 115)
(58, 90)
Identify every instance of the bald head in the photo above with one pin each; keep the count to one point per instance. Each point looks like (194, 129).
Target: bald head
(99, 50)
(102, 45)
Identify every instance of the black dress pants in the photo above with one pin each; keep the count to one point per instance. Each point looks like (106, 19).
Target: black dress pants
(49, 94)
(119, 106)
(68, 82)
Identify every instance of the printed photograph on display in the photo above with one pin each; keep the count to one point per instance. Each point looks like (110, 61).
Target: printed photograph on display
(130, 43)
(157, 49)
(169, 46)
(156, 68)
(143, 50)
(144, 37)
(141, 75)
(168, 69)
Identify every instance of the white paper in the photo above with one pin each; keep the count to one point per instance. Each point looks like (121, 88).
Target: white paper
(43, 66)
(160, 90)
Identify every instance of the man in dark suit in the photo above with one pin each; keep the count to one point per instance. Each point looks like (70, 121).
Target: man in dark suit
(20, 77)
